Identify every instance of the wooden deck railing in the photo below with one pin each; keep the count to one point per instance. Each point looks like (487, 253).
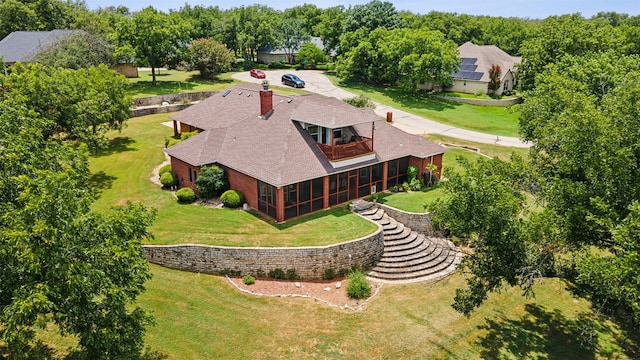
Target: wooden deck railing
(363, 145)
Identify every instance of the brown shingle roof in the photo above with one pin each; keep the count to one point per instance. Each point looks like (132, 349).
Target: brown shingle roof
(486, 56)
(277, 150)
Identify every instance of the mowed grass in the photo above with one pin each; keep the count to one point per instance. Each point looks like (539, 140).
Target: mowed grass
(122, 173)
(203, 317)
(174, 81)
(486, 119)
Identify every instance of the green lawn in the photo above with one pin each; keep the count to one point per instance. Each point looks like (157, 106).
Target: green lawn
(121, 173)
(487, 119)
(203, 317)
(174, 81)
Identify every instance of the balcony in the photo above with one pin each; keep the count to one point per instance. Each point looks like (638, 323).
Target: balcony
(361, 145)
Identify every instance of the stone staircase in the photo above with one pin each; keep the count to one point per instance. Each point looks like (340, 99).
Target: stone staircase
(408, 255)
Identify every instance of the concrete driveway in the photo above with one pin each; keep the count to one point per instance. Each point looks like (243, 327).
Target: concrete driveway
(317, 82)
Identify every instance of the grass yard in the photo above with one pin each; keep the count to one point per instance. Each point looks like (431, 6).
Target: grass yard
(203, 317)
(487, 119)
(121, 173)
(174, 81)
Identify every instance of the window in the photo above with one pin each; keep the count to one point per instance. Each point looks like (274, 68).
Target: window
(267, 199)
(313, 131)
(303, 197)
(506, 86)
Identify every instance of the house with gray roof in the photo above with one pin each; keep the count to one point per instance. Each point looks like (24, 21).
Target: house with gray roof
(292, 155)
(24, 46)
(476, 60)
(268, 54)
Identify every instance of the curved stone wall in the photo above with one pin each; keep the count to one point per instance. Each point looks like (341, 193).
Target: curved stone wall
(309, 262)
(420, 222)
(481, 102)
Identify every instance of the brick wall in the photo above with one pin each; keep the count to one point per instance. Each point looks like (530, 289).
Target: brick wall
(181, 169)
(247, 185)
(308, 262)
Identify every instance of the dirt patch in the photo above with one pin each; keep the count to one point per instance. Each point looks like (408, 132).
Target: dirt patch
(331, 293)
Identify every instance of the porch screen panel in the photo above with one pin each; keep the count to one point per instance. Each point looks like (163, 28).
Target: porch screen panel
(267, 199)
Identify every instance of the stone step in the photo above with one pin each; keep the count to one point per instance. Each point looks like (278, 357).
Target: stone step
(361, 205)
(401, 241)
(413, 260)
(385, 220)
(402, 235)
(426, 249)
(417, 241)
(393, 228)
(414, 271)
(416, 277)
(376, 216)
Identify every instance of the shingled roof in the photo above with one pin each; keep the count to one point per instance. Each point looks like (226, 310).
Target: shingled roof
(476, 60)
(23, 46)
(277, 150)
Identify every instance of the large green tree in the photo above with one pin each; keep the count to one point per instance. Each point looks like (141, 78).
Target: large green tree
(209, 57)
(582, 120)
(63, 264)
(81, 104)
(81, 50)
(400, 56)
(158, 39)
(294, 34)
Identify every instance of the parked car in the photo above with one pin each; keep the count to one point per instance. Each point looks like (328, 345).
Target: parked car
(292, 80)
(257, 73)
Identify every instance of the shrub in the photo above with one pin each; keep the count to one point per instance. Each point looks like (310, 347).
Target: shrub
(405, 186)
(232, 198)
(248, 280)
(329, 274)
(171, 141)
(277, 65)
(277, 274)
(186, 195)
(415, 185)
(359, 101)
(186, 135)
(292, 274)
(394, 189)
(168, 179)
(357, 285)
(211, 181)
(412, 173)
(164, 169)
(479, 92)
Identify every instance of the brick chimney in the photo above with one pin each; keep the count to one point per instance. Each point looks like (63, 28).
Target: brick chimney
(266, 103)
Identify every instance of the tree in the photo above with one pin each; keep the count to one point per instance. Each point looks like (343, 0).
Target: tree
(330, 27)
(62, 263)
(255, 26)
(399, 56)
(158, 39)
(495, 73)
(310, 55)
(210, 57)
(293, 36)
(372, 15)
(211, 181)
(81, 104)
(81, 50)
(583, 170)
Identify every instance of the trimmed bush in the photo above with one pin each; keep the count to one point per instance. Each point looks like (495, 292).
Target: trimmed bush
(292, 274)
(169, 179)
(357, 285)
(164, 169)
(186, 195)
(211, 181)
(359, 101)
(232, 198)
(248, 280)
(277, 274)
(412, 173)
(329, 274)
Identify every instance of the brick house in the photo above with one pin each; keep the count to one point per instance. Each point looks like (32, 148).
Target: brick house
(292, 155)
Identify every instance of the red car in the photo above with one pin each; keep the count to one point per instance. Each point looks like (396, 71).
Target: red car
(257, 73)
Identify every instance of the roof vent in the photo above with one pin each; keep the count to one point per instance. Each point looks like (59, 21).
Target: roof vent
(240, 93)
(289, 101)
(249, 95)
(226, 93)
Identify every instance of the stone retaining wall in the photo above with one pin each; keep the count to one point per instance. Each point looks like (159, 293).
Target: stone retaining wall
(420, 222)
(172, 98)
(481, 102)
(309, 262)
(159, 109)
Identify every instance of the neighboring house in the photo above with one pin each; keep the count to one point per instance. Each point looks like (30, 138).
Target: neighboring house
(267, 54)
(292, 155)
(24, 46)
(476, 60)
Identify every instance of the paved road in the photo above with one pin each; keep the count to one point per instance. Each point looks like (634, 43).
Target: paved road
(318, 83)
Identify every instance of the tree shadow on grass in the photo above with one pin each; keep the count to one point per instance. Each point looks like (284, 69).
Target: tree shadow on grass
(100, 181)
(540, 333)
(416, 99)
(116, 145)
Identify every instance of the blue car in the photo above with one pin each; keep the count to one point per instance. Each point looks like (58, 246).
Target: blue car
(292, 80)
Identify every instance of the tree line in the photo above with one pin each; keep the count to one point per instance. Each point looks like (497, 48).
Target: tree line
(362, 38)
